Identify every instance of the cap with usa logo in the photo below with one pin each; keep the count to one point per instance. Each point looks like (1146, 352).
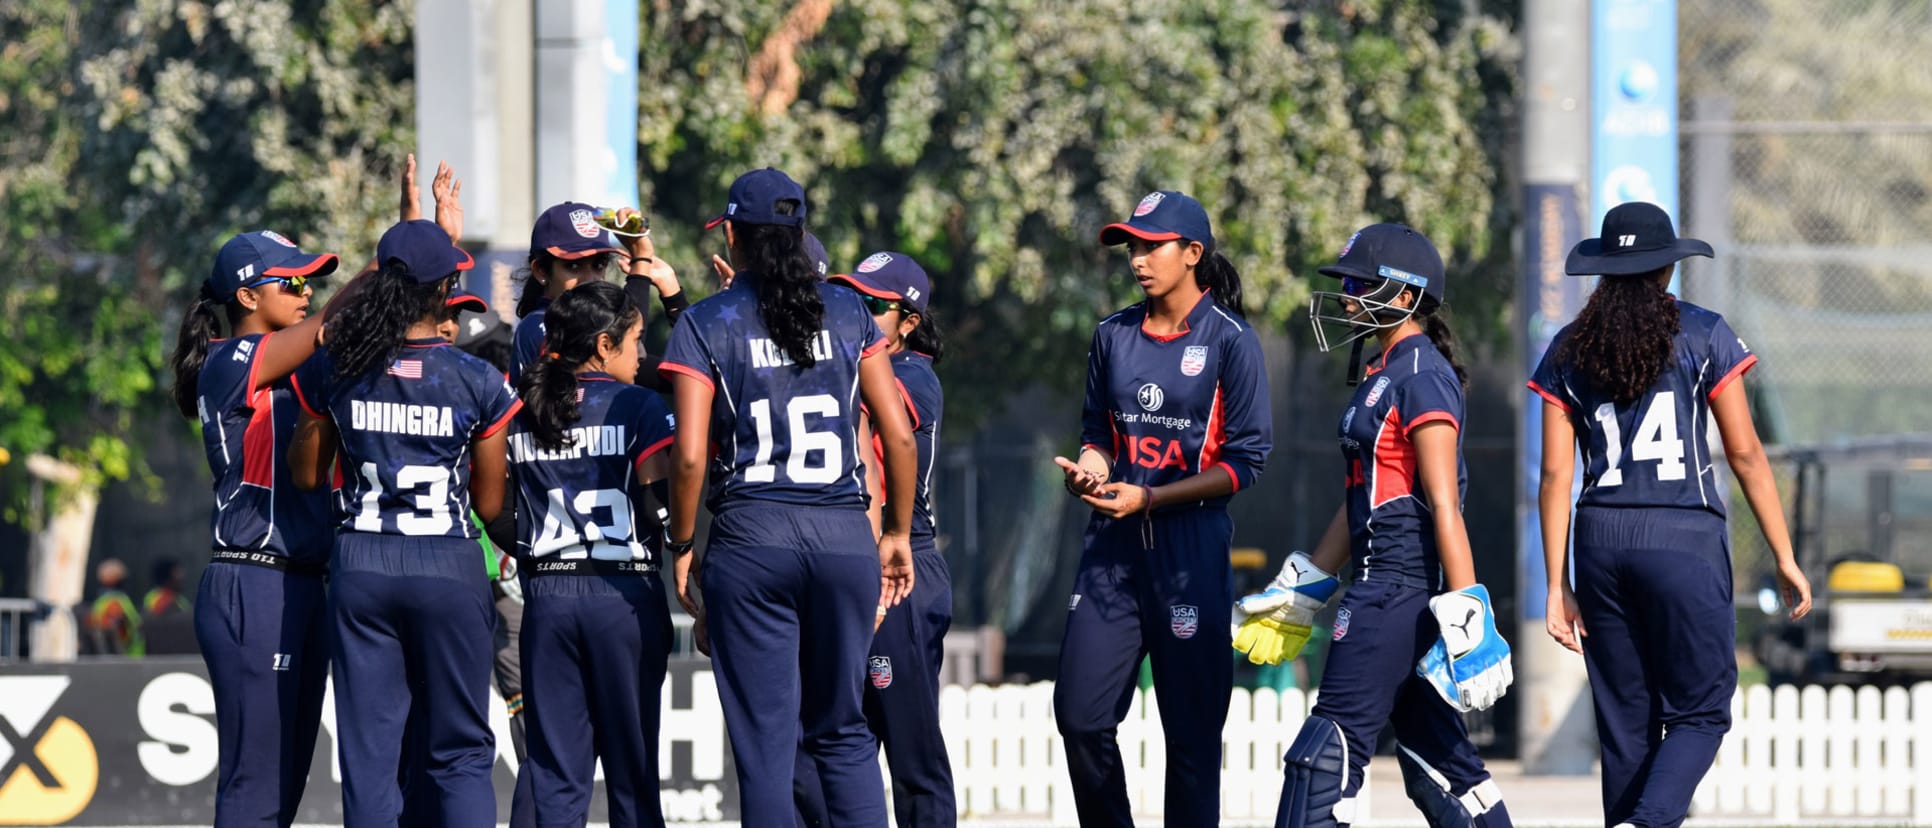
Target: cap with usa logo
(1637, 239)
(570, 231)
(889, 274)
(1165, 215)
(255, 257)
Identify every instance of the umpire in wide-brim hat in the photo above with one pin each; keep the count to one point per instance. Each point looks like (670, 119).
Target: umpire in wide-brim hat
(1637, 239)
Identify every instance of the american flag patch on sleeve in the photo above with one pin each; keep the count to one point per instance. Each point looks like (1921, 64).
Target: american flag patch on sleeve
(407, 369)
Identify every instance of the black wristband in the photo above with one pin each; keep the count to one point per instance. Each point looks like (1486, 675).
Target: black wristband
(677, 548)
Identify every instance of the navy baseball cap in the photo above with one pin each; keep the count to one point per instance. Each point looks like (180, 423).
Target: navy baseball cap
(1392, 251)
(463, 300)
(1165, 215)
(891, 275)
(1637, 238)
(422, 250)
(570, 231)
(756, 198)
(815, 250)
(252, 258)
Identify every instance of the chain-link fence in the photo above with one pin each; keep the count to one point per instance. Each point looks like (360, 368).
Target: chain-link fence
(1807, 163)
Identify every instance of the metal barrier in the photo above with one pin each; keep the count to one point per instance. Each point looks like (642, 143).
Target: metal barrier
(17, 616)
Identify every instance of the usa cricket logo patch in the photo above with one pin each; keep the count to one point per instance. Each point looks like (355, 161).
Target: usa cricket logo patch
(585, 224)
(879, 669)
(874, 262)
(1375, 394)
(1186, 621)
(1194, 360)
(277, 238)
(1341, 623)
(1148, 204)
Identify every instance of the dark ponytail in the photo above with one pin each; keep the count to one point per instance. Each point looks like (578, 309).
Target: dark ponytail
(1215, 273)
(1624, 337)
(788, 300)
(1437, 329)
(571, 330)
(199, 326)
(927, 338)
(532, 293)
(367, 333)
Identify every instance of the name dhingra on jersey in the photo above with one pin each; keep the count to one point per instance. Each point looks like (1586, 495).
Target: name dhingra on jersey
(401, 418)
(766, 353)
(585, 441)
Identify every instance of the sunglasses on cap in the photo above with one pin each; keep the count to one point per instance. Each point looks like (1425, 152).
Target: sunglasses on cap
(880, 307)
(587, 263)
(290, 284)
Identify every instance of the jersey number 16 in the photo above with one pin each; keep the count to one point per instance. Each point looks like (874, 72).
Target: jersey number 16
(802, 442)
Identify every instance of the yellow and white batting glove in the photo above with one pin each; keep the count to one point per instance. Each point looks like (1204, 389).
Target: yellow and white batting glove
(1273, 625)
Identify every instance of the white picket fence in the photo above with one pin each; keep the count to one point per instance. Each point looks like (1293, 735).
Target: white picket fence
(1814, 753)
(1792, 755)
(1008, 761)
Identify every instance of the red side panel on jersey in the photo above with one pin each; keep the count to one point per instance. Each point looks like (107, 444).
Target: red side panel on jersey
(907, 396)
(1215, 436)
(1394, 474)
(515, 406)
(875, 347)
(653, 449)
(258, 441)
(1731, 376)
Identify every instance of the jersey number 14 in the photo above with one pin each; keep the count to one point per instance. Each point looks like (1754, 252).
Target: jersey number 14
(1656, 439)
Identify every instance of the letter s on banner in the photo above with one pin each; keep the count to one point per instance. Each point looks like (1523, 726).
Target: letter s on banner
(183, 746)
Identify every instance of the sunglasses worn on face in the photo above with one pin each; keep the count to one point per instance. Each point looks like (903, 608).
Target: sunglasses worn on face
(290, 284)
(1357, 287)
(880, 307)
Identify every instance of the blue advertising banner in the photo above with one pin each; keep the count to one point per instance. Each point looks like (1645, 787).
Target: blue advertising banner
(1633, 104)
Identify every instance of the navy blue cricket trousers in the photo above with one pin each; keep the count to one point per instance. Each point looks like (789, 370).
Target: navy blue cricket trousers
(413, 624)
(902, 702)
(595, 649)
(790, 594)
(264, 636)
(1654, 587)
(1381, 630)
(1169, 600)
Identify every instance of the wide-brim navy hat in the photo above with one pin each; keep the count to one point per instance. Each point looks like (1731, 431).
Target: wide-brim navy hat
(250, 258)
(892, 275)
(422, 251)
(1392, 251)
(570, 231)
(1637, 238)
(764, 196)
(1165, 215)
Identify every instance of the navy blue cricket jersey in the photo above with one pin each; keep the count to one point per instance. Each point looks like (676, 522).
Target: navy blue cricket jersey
(246, 434)
(404, 436)
(526, 341)
(1651, 453)
(1170, 407)
(577, 502)
(784, 433)
(925, 404)
(1390, 528)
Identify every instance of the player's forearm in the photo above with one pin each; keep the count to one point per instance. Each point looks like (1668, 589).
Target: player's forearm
(901, 482)
(687, 487)
(1331, 552)
(1452, 545)
(1761, 492)
(1553, 504)
(1210, 484)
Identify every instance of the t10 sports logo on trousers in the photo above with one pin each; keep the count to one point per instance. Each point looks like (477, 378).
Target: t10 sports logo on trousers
(48, 768)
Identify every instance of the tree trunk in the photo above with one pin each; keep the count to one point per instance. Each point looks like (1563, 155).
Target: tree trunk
(57, 561)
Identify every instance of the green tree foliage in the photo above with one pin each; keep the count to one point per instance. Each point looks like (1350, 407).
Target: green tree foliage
(993, 139)
(134, 139)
